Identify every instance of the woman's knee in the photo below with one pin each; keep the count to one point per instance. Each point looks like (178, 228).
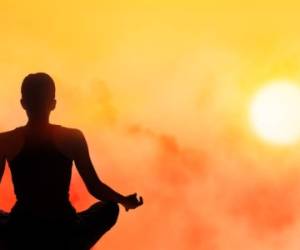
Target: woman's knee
(114, 211)
(107, 211)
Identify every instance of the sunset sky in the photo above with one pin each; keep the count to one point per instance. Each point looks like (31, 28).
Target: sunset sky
(162, 91)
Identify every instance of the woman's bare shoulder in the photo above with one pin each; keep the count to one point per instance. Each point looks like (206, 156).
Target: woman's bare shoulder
(11, 140)
(68, 132)
(67, 139)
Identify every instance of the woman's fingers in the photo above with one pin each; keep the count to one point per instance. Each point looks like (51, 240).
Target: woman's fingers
(141, 202)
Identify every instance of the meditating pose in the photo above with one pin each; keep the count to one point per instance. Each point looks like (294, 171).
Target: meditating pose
(40, 156)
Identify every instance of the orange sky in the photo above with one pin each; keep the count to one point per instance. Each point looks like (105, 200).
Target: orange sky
(161, 90)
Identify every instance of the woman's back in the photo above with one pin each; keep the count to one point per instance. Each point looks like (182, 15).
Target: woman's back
(41, 174)
(42, 217)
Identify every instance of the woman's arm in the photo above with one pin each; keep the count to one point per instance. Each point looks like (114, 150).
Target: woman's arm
(94, 185)
(2, 156)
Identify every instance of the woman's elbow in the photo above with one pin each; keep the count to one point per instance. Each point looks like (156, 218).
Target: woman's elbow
(96, 191)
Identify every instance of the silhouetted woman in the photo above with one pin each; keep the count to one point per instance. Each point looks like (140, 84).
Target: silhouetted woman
(40, 157)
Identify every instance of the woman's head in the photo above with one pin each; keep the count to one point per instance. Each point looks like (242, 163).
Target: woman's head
(38, 94)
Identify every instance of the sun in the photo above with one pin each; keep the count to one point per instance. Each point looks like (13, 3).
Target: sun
(275, 112)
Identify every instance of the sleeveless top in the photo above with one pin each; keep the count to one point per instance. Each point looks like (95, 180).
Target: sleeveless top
(41, 177)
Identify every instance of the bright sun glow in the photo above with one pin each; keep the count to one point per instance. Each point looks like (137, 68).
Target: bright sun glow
(275, 112)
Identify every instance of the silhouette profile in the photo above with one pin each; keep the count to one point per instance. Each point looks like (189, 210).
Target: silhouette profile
(40, 156)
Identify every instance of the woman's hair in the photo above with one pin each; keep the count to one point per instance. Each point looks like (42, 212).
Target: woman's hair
(37, 91)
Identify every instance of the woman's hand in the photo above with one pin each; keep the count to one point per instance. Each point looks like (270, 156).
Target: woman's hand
(132, 201)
